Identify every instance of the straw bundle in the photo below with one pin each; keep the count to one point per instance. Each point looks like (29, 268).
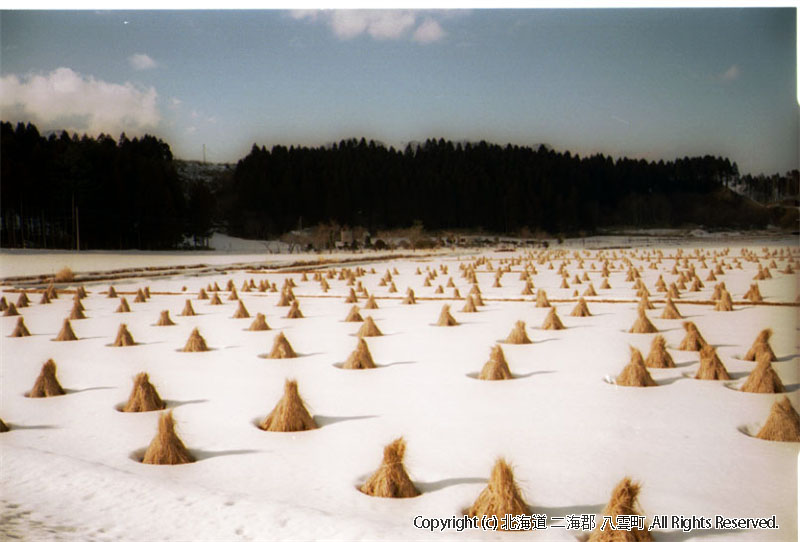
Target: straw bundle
(45, 299)
(290, 414)
(233, 296)
(371, 303)
(725, 302)
(353, 315)
(552, 321)
(658, 357)
(711, 367)
(66, 333)
(241, 311)
(294, 310)
(763, 379)
(23, 301)
(761, 348)
(351, 298)
(123, 305)
(140, 298)
(360, 358)
(497, 367)
(20, 330)
(259, 323)
(692, 341)
(188, 309)
(3, 303)
(369, 328)
(202, 295)
(143, 397)
(541, 299)
(642, 324)
(46, 384)
(635, 373)
(76, 313)
(281, 349)
(166, 448)
(164, 319)
(111, 292)
(671, 311)
(124, 337)
(783, 423)
(501, 496)
(518, 334)
(391, 480)
(410, 299)
(445, 318)
(622, 503)
(581, 309)
(195, 343)
(753, 294)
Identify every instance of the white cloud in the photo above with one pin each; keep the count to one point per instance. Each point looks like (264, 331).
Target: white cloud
(141, 61)
(731, 73)
(65, 99)
(429, 31)
(378, 24)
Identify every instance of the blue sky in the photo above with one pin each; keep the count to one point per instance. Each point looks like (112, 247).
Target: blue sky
(650, 83)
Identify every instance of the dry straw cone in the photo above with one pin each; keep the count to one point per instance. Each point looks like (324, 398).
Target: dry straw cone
(123, 305)
(369, 328)
(66, 333)
(23, 301)
(3, 303)
(64, 274)
(518, 334)
(552, 321)
(76, 313)
(623, 503)
(445, 318)
(3, 427)
(166, 448)
(281, 349)
(761, 348)
(188, 309)
(354, 315)
(229, 287)
(605, 285)
(439, 290)
(527, 289)
(164, 319)
(645, 304)
(371, 303)
(590, 291)
(140, 297)
(670, 311)
(478, 299)
(642, 324)
(290, 414)
(475, 289)
(725, 302)
(111, 292)
(711, 367)
(410, 299)
(501, 496)
(20, 330)
(11, 310)
(754, 294)
(635, 373)
(391, 480)
(195, 343)
(763, 379)
(294, 310)
(692, 341)
(241, 311)
(45, 299)
(124, 337)
(202, 295)
(469, 305)
(783, 423)
(541, 299)
(564, 283)
(234, 296)
(46, 384)
(360, 358)
(393, 290)
(259, 323)
(497, 367)
(658, 357)
(143, 397)
(215, 300)
(76, 301)
(581, 309)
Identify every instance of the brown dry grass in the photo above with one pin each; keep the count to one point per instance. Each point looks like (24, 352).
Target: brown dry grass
(46, 384)
(635, 373)
(391, 480)
(497, 367)
(166, 448)
(623, 502)
(783, 423)
(143, 397)
(501, 496)
(290, 413)
(360, 358)
(64, 274)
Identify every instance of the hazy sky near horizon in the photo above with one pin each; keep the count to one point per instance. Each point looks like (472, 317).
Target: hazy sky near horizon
(649, 83)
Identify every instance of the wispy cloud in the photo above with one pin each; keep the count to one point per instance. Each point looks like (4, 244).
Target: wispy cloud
(65, 99)
(141, 61)
(731, 73)
(378, 24)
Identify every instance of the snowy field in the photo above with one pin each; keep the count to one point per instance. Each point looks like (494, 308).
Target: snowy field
(70, 469)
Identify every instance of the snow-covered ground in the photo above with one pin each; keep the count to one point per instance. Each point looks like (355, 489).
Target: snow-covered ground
(68, 467)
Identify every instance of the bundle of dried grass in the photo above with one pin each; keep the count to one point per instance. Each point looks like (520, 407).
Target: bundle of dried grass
(354, 315)
(590, 291)
(469, 305)
(497, 367)
(76, 313)
(45, 299)
(11, 310)
(445, 318)
(76, 301)
(369, 328)
(552, 321)
(501, 496)
(144, 397)
(658, 357)
(140, 297)
(188, 309)
(635, 373)
(622, 503)
(215, 299)
(281, 349)
(290, 414)
(202, 295)
(64, 274)
(111, 292)
(51, 291)
(754, 294)
(761, 348)
(351, 297)
(673, 291)
(166, 448)
(294, 310)
(581, 309)
(541, 299)
(410, 299)
(711, 367)
(234, 296)
(3, 427)
(3, 303)
(692, 341)
(642, 324)
(241, 311)
(518, 334)
(23, 301)
(605, 285)
(20, 330)
(360, 358)
(725, 302)
(259, 323)
(644, 304)
(478, 300)
(763, 379)
(564, 284)
(196, 342)
(124, 337)
(165, 320)
(371, 303)
(671, 311)
(391, 480)
(66, 333)
(783, 423)
(46, 384)
(123, 305)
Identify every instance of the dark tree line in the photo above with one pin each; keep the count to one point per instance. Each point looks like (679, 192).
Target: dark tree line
(448, 185)
(63, 189)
